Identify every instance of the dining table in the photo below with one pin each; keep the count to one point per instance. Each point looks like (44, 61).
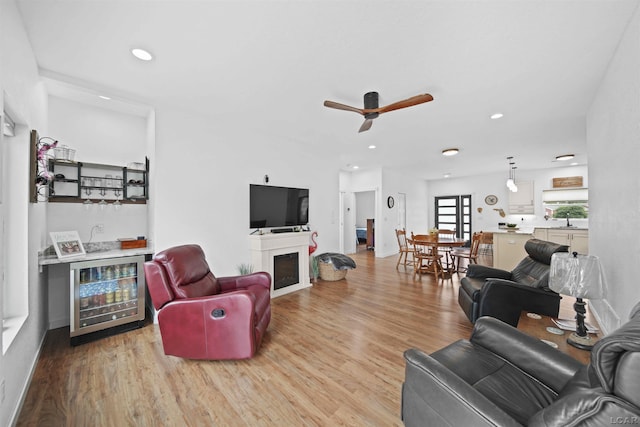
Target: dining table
(435, 243)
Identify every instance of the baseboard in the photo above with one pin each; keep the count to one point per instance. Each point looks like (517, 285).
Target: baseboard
(59, 323)
(605, 315)
(25, 388)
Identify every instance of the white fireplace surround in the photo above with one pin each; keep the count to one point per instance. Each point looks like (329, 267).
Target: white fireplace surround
(264, 247)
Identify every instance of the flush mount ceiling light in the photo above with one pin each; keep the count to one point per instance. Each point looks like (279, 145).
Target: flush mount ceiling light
(447, 175)
(497, 116)
(141, 54)
(565, 157)
(450, 152)
(372, 147)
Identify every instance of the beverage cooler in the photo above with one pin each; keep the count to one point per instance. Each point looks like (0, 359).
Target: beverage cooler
(105, 294)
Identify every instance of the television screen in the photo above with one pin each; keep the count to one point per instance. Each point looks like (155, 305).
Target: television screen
(271, 206)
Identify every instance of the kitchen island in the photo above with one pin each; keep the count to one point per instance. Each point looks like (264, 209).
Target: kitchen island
(508, 247)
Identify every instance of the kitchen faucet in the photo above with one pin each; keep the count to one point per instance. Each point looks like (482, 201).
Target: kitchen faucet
(568, 225)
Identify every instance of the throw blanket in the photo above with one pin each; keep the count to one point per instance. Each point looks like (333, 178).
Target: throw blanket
(339, 261)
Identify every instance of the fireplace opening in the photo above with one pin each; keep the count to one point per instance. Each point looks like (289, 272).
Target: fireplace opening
(285, 270)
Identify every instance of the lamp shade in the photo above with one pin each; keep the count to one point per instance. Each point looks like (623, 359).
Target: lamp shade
(580, 276)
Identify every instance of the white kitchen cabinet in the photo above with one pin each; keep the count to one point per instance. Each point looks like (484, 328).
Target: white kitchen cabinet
(521, 202)
(508, 249)
(577, 240)
(540, 233)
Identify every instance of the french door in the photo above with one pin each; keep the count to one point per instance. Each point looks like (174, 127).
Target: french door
(454, 213)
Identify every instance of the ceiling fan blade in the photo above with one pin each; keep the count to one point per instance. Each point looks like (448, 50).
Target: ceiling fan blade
(409, 102)
(338, 106)
(366, 125)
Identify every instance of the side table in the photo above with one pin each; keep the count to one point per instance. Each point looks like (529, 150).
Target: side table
(538, 328)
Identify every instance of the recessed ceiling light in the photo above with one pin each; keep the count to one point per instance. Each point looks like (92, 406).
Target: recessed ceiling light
(450, 152)
(565, 157)
(447, 175)
(104, 97)
(497, 116)
(356, 167)
(372, 147)
(141, 54)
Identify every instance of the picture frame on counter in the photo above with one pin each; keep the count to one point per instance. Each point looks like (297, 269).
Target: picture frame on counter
(67, 244)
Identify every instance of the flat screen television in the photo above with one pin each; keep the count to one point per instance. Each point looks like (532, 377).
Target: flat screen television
(271, 206)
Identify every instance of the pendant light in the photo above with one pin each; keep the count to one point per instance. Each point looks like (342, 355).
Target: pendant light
(511, 181)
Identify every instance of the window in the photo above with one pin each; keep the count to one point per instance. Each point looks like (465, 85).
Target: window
(454, 213)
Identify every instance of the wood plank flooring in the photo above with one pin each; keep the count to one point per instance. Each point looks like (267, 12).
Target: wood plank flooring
(332, 356)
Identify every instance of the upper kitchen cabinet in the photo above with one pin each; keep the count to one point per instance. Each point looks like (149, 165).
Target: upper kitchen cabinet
(521, 201)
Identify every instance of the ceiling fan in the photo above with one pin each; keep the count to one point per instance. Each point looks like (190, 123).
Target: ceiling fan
(371, 109)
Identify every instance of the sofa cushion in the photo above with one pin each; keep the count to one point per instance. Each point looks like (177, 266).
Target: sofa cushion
(516, 393)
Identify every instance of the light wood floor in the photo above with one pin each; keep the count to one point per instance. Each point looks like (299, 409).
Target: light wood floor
(332, 356)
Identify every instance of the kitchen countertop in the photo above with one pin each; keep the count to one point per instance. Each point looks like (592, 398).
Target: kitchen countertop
(525, 230)
(99, 251)
(562, 227)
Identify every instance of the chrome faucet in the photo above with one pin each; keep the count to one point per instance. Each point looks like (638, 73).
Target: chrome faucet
(568, 225)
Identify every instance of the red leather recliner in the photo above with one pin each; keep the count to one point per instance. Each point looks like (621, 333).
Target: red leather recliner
(204, 317)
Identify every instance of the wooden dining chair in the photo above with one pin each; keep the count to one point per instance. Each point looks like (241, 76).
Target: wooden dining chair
(470, 253)
(426, 258)
(446, 250)
(486, 243)
(404, 248)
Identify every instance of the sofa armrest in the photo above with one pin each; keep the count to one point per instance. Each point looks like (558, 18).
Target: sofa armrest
(230, 283)
(480, 271)
(550, 366)
(434, 395)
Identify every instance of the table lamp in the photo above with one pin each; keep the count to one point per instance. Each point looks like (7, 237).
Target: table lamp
(579, 276)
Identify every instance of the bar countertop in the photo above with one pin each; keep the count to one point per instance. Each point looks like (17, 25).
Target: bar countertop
(94, 251)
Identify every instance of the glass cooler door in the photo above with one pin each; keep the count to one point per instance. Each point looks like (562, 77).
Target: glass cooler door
(106, 293)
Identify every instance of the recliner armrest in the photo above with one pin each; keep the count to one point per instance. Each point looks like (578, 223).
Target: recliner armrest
(434, 395)
(505, 299)
(552, 367)
(479, 271)
(230, 283)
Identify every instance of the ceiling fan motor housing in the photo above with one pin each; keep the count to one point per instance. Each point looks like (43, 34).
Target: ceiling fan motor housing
(370, 102)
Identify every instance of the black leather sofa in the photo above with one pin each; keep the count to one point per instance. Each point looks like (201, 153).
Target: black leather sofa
(503, 377)
(487, 291)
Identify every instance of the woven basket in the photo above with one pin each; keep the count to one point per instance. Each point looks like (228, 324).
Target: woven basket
(328, 273)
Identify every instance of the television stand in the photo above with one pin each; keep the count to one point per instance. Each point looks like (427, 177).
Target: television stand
(282, 230)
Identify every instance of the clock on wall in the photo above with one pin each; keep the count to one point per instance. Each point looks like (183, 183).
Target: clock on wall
(390, 202)
(491, 199)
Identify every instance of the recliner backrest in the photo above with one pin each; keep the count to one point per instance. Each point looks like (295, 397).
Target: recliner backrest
(187, 272)
(534, 270)
(541, 250)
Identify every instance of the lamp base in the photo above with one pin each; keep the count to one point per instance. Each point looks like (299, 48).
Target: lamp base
(583, 343)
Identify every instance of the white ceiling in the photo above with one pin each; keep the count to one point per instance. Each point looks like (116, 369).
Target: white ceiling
(270, 65)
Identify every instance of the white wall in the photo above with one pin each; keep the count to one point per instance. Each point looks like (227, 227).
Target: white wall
(204, 166)
(21, 89)
(365, 207)
(385, 183)
(613, 141)
(101, 136)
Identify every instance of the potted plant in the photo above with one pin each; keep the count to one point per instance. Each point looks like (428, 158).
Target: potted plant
(245, 269)
(314, 268)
